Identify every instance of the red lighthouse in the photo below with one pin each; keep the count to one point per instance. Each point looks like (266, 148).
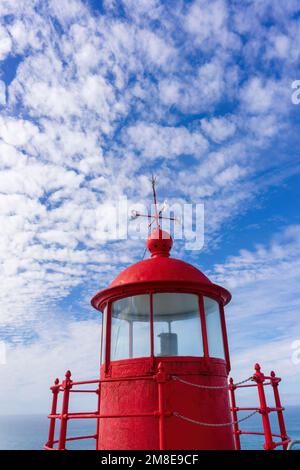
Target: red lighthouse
(164, 363)
(163, 325)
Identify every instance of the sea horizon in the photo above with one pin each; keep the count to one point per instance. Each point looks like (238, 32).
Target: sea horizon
(29, 431)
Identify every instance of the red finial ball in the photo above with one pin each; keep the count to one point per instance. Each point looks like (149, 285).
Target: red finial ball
(159, 243)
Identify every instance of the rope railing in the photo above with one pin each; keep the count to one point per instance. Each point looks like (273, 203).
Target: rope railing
(209, 387)
(212, 387)
(215, 425)
(260, 381)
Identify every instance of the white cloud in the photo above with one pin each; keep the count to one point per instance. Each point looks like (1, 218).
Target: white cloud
(25, 34)
(281, 45)
(218, 128)
(16, 132)
(207, 22)
(261, 96)
(143, 8)
(264, 263)
(57, 164)
(263, 315)
(197, 93)
(5, 43)
(2, 93)
(156, 141)
(33, 367)
(156, 49)
(229, 175)
(67, 10)
(263, 127)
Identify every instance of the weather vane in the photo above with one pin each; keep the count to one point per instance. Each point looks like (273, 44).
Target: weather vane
(157, 216)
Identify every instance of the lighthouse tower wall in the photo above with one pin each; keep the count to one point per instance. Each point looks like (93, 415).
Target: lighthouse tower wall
(131, 391)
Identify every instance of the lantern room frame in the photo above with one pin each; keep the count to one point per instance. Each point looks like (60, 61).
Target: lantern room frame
(106, 297)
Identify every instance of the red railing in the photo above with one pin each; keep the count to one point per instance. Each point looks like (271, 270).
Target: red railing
(66, 387)
(161, 378)
(261, 381)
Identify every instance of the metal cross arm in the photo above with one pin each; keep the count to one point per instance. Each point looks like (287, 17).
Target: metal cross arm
(157, 213)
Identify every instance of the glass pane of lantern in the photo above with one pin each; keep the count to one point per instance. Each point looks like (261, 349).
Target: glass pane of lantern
(103, 334)
(177, 326)
(130, 328)
(214, 328)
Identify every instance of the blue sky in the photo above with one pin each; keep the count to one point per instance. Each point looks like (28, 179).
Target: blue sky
(94, 97)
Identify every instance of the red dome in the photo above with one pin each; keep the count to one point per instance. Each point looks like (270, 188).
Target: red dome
(160, 269)
(159, 273)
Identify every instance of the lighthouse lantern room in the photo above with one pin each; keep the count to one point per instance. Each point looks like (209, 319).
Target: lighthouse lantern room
(164, 361)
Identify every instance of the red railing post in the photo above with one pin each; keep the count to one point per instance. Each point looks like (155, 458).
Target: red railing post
(98, 392)
(274, 382)
(236, 431)
(161, 380)
(55, 391)
(259, 378)
(67, 385)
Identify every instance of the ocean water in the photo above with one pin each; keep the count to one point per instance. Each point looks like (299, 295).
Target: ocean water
(29, 432)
